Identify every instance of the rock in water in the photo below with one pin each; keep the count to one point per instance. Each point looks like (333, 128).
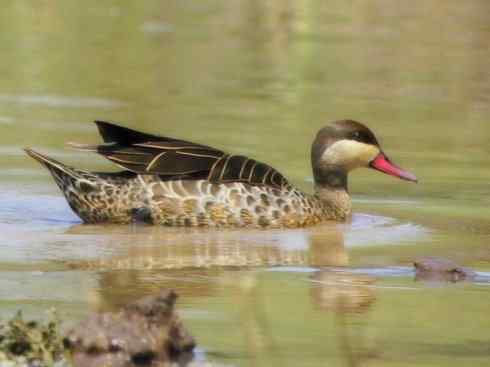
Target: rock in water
(439, 269)
(145, 333)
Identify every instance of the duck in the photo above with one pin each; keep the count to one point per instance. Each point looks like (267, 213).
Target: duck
(175, 182)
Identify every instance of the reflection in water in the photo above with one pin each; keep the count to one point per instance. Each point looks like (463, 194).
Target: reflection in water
(116, 288)
(253, 319)
(139, 260)
(153, 247)
(342, 292)
(347, 296)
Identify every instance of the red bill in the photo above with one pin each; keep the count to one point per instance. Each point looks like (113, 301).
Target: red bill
(383, 164)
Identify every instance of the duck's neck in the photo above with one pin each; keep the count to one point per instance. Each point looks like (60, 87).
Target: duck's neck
(331, 189)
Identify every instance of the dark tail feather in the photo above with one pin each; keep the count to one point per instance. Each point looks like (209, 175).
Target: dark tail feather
(57, 169)
(112, 133)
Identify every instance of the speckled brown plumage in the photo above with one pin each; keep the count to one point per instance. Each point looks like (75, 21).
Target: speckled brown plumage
(97, 198)
(178, 183)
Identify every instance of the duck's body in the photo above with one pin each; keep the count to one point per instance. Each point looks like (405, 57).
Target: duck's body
(127, 197)
(178, 183)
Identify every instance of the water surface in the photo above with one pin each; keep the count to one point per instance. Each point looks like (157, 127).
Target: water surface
(260, 78)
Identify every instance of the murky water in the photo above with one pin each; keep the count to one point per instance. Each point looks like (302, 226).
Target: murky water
(260, 78)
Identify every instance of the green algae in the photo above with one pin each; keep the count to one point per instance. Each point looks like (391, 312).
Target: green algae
(32, 343)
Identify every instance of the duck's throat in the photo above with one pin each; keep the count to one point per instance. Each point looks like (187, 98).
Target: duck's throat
(331, 189)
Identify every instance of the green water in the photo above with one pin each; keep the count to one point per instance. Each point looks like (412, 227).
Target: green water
(260, 78)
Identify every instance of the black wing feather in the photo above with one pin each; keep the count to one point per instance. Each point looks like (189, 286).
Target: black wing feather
(179, 159)
(112, 133)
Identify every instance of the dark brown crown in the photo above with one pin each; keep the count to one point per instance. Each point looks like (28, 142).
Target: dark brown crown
(345, 129)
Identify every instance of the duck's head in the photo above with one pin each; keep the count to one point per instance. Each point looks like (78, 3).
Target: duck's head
(345, 145)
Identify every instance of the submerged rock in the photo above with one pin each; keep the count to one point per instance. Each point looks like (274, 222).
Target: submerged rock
(439, 269)
(145, 333)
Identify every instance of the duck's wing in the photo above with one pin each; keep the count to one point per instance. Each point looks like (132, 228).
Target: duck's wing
(179, 159)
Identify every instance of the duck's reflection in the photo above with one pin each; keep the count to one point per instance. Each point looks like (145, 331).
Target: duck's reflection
(347, 296)
(156, 248)
(342, 292)
(136, 260)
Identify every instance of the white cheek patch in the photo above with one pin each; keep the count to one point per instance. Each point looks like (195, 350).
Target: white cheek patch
(349, 154)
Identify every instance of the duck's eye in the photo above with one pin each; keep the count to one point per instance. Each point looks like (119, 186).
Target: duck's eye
(356, 135)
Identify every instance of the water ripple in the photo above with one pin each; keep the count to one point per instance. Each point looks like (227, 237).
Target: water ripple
(61, 101)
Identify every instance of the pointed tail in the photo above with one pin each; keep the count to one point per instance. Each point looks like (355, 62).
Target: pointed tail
(61, 172)
(94, 196)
